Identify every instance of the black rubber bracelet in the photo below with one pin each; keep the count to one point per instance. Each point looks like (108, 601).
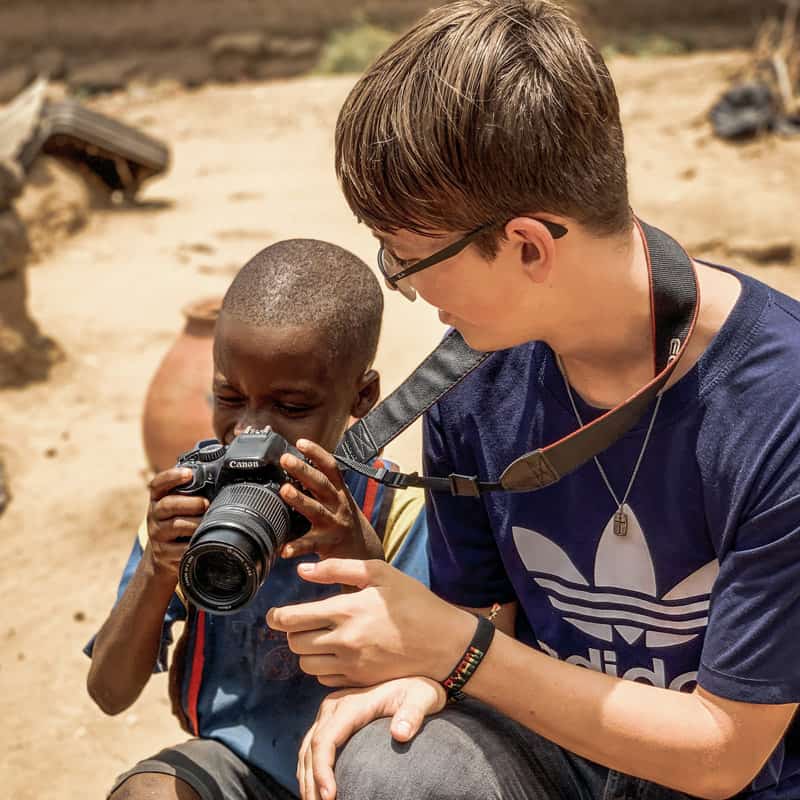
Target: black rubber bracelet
(468, 663)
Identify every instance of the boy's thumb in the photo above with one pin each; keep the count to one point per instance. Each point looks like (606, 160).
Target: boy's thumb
(407, 721)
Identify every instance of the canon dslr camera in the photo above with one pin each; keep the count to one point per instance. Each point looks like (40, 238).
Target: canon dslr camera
(247, 524)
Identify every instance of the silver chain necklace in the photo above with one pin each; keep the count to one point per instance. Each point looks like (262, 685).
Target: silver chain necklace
(621, 515)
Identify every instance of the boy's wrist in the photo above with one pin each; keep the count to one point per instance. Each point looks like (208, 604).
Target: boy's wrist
(459, 634)
(156, 573)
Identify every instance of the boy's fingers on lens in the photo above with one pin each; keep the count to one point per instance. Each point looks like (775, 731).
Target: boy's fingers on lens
(299, 547)
(324, 460)
(175, 505)
(318, 541)
(312, 479)
(313, 510)
(175, 528)
(169, 479)
(173, 549)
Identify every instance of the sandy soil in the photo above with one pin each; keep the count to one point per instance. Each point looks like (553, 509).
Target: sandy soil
(252, 164)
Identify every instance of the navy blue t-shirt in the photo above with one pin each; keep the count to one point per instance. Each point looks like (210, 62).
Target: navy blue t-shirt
(704, 587)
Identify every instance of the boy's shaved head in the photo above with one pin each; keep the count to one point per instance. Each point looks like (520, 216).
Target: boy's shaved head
(306, 282)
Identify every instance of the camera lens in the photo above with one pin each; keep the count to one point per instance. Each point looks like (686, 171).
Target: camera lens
(219, 574)
(231, 552)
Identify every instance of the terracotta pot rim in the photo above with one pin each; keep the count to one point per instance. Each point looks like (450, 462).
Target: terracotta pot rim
(204, 309)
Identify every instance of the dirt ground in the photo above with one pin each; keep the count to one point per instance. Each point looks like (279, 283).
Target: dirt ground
(252, 165)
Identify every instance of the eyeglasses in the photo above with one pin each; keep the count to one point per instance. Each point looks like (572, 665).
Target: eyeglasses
(394, 270)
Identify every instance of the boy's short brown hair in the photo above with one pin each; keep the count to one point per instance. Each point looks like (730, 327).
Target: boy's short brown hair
(485, 110)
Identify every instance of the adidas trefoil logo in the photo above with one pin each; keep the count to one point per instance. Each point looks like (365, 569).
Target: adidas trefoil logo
(619, 599)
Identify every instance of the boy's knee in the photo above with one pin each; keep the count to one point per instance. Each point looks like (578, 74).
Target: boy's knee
(154, 786)
(436, 763)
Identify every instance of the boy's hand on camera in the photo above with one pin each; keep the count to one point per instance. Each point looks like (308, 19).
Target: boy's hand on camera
(338, 528)
(170, 517)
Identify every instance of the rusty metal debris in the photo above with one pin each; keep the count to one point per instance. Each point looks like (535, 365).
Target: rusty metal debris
(119, 154)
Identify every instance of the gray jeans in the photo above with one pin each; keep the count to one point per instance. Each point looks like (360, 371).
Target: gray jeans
(471, 752)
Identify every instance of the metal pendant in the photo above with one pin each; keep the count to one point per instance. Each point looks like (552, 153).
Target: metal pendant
(620, 523)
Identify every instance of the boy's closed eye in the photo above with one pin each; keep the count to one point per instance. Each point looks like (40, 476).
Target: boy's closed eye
(228, 398)
(293, 410)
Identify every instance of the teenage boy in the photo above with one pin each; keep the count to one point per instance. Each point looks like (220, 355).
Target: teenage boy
(293, 349)
(484, 150)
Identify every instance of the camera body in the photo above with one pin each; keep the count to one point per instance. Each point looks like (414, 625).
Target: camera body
(247, 524)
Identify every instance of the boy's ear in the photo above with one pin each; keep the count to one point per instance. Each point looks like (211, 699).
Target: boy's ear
(535, 244)
(369, 390)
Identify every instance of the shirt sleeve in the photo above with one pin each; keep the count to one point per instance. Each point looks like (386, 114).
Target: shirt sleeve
(465, 564)
(176, 610)
(752, 645)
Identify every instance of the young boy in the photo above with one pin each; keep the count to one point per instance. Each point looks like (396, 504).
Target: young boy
(485, 152)
(293, 349)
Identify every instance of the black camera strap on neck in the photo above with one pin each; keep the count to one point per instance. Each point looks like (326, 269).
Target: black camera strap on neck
(674, 304)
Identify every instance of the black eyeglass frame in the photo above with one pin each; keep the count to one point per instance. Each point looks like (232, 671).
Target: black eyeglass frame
(557, 231)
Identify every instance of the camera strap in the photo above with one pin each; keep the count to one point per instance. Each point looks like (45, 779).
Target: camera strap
(674, 306)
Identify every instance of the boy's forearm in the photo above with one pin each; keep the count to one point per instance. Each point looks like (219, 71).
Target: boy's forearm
(633, 728)
(127, 646)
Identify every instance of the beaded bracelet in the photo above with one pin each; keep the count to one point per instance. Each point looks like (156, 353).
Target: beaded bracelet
(468, 663)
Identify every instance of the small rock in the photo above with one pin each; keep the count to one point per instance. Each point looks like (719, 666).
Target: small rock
(79, 616)
(51, 63)
(284, 47)
(235, 55)
(249, 44)
(102, 76)
(13, 80)
(51, 452)
(775, 251)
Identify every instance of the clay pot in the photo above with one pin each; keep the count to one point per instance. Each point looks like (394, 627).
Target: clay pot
(177, 409)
